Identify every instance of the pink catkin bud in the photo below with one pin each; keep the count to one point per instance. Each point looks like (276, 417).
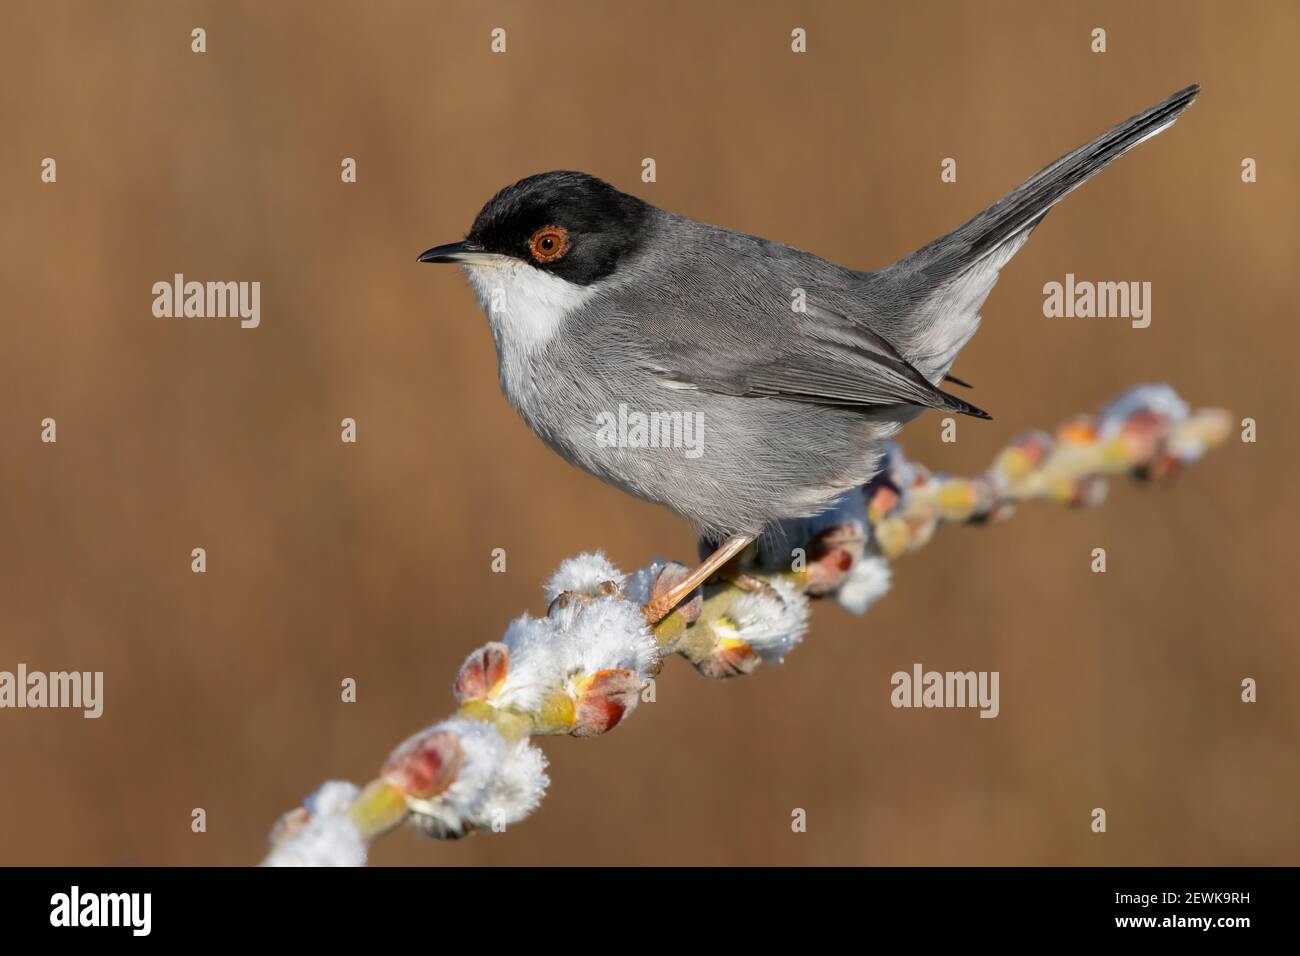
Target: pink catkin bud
(1144, 434)
(482, 671)
(882, 502)
(732, 659)
(607, 697)
(831, 554)
(425, 765)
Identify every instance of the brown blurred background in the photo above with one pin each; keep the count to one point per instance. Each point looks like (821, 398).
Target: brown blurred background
(371, 561)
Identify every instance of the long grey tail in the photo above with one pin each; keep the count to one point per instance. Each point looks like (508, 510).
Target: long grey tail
(1024, 207)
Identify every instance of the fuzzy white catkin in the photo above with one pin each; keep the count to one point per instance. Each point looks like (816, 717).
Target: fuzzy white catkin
(499, 782)
(771, 623)
(865, 584)
(329, 837)
(575, 641)
(583, 574)
(638, 585)
(609, 632)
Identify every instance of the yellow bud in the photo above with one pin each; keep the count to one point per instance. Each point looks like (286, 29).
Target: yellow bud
(556, 715)
(892, 537)
(1015, 463)
(956, 500)
(378, 809)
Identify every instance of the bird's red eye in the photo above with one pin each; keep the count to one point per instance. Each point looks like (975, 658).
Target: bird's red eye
(548, 243)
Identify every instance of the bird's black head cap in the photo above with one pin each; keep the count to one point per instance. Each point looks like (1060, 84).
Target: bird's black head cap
(570, 224)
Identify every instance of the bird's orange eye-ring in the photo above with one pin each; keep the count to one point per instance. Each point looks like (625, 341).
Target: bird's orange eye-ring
(549, 243)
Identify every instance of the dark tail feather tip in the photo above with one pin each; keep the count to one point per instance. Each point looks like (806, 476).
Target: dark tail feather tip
(955, 404)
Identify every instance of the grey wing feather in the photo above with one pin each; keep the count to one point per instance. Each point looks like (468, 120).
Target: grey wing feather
(827, 359)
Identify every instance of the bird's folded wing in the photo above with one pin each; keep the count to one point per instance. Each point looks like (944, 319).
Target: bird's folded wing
(821, 357)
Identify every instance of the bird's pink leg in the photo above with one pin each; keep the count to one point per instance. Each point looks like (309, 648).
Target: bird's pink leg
(660, 607)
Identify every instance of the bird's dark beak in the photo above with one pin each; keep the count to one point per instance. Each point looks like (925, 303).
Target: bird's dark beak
(451, 252)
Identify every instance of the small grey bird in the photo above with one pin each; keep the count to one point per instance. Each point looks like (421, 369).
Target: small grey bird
(620, 327)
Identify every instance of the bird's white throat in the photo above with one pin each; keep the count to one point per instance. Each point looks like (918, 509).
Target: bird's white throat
(525, 306)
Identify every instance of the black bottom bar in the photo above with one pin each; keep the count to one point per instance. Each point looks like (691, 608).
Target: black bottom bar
(437, 906)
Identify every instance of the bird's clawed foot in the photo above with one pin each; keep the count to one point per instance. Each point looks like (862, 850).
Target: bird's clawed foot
(748, 582)
(663, 604)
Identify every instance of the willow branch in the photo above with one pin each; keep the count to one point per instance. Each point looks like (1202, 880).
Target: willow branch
(581, 669)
